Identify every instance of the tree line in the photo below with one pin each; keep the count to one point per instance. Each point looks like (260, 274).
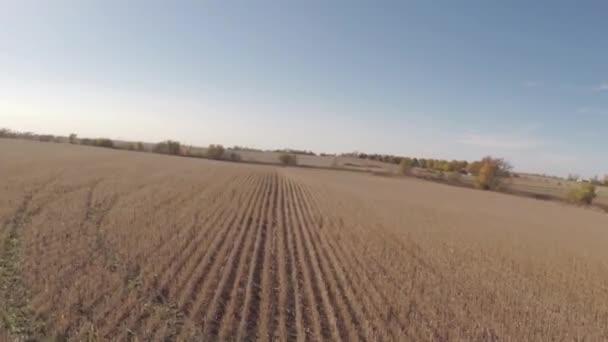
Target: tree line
(489, 172)
(461, 166)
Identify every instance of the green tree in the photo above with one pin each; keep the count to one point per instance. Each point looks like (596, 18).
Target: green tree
(585, 193)
(474, 167)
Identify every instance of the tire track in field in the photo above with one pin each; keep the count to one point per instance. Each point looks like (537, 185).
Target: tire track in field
(20, 321)
(228, 284)
(159, 296)
(253, 315)
(196, 247)
(393, 285)
(358, 274)
(90, 226)
(388, 281)
(42, 301)
(243, 292)
(302, 316)
(358, 311)
(290, 316)
(56, 240)
(87, 214)
(383, 312)
(198, 242)
(349, 262)
(235, 299)
(201, 290)
(100, 249)
(320, 285)
(267, 317)
(313, 309)
(348, 322)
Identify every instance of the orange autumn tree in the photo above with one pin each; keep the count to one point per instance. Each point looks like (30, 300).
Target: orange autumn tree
(492, 172)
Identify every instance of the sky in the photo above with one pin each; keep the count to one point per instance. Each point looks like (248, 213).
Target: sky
(523, 80)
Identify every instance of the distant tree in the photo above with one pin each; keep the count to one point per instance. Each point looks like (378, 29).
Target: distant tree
(422, 163)
(46, 138)
(463, 166)
(187, 150)
(459, 166)
(6, 133)
(140, 147)
(288, 159)
(492, 173)
(453, 166)
(453, 177)
(26, 135)
(168, 147)
(474, 167)
(304, 152)
(104, 142)
(444, 166)
(595, 180)
(406, 165)
(606, 180)
(235, 157)
(585, 193)
(215, 151)
(73, 138)
(87, 141)
(573, 177)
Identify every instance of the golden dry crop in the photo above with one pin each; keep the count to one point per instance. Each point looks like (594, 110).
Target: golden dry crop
(113, 245)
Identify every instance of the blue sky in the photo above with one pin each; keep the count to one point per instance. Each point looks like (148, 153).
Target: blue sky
(523, 80)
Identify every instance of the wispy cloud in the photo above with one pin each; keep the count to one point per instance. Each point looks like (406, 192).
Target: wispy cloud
(601, 87)
(499, 141)
(592, 111)
(533, 84)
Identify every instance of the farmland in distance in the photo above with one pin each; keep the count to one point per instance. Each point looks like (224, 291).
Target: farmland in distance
(113, 245)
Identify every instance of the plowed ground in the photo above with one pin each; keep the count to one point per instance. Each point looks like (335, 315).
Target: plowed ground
(109, 245)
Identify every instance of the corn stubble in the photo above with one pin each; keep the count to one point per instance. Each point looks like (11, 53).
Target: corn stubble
(129, 246)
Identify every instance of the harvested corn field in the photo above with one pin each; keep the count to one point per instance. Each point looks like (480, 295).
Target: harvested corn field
(113, 245)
